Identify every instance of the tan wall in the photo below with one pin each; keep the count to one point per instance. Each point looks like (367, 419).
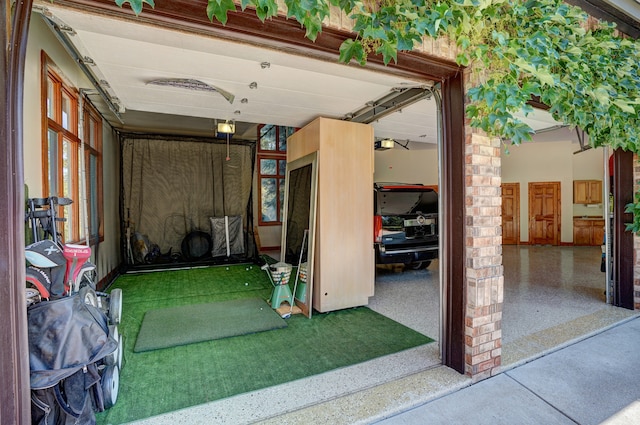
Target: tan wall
(41, 38)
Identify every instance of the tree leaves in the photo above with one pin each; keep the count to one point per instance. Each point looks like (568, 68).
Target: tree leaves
(136, 5)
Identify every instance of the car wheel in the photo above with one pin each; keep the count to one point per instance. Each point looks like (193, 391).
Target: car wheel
(413, 266)
(425, 264)
(419, 265)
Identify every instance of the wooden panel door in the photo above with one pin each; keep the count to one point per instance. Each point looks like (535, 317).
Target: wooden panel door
(544, 213)
(510, 213)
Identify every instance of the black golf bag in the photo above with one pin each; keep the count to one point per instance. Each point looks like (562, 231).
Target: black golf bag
(68, 340)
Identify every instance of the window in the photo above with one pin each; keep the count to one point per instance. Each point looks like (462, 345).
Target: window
(68, 158)
(272, 161)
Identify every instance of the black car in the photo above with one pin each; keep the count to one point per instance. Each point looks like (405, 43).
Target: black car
(405, 224)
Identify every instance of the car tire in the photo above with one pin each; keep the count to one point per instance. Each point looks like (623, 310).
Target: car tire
(420, 265)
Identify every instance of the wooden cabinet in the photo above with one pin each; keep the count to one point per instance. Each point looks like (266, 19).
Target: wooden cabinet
(587, 192)
(588, 231)
(344, 267)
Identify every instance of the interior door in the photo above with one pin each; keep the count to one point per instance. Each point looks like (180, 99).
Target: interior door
(544, 213)
(510, 213)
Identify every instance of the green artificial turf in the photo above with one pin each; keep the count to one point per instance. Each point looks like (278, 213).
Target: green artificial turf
(165, 380)
(188, 324)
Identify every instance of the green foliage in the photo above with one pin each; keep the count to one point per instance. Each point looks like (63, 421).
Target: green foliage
(522, 48)
(136, 5)
(634, 208)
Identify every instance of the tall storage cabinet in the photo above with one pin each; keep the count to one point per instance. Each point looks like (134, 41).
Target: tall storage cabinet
(344, 268)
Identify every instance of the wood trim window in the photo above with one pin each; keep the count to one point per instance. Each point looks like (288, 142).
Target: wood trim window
(62, 162)
(272, 161)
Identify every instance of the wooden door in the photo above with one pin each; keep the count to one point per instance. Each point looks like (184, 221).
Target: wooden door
(544, 213)
(510, 213)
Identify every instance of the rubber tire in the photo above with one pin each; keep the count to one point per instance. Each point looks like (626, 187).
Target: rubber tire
(110, 382)
(425, 264)
(88, 296)
(112, 358)
(115, 306)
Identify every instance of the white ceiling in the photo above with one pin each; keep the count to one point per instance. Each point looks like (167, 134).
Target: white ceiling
(292, 90)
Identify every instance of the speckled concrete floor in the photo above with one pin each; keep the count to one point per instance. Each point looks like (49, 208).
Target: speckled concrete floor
(553, 296)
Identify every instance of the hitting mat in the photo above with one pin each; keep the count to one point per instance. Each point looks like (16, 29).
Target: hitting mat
(170, 327)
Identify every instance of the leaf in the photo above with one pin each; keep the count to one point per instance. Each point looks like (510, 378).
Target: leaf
(375, 33)
(136, 5)
(218, 9)
(544, 76)
(389, 51)
(406, 41)
(350, 49)
(313, 26)
(602, 95)
(626, 107)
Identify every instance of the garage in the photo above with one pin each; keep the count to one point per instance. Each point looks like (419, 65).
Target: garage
(453, 298)
(181, 129)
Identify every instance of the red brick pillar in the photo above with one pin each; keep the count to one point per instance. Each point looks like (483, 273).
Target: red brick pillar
(484, 284)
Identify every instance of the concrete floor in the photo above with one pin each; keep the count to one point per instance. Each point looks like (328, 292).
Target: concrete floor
(553, 297)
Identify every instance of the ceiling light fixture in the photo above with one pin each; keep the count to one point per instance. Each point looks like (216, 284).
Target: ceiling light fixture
(191, 84)
(226, 127)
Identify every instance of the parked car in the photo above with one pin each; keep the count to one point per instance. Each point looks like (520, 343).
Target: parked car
(405, 224)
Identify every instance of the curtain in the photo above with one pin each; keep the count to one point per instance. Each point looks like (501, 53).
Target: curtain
(173, 187)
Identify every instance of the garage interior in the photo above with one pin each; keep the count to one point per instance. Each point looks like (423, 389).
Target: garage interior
(563, 284)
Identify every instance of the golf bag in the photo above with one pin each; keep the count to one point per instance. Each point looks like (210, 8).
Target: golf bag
(68, 342)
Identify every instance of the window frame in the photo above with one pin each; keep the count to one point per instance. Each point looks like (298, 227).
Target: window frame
(279, 155)
(68, 139)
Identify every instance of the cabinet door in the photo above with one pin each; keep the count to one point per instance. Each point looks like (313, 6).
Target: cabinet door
(597, 232)
(595, 192)
(580, 192)
(581, 232)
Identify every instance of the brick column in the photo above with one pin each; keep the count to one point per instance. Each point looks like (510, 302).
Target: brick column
(484, 283)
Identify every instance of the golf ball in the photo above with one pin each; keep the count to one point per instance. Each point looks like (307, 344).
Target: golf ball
(227, 268)
(246, 284)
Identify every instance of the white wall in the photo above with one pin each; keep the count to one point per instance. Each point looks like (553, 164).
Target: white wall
(41, 38)
(400, 165)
